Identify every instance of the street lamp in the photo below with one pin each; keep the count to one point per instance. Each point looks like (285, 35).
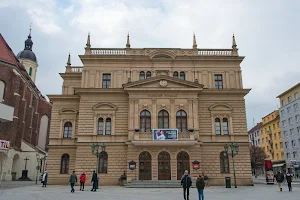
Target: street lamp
(234, 151)
(95, 152)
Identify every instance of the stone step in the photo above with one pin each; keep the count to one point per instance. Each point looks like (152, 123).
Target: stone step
(154, 184)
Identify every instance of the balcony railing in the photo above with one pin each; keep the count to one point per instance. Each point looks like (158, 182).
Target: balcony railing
(215, 52)
(76, 69)
(98, 51)
(148, 136)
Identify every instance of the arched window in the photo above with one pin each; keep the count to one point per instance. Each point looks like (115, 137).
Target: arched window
(142, 75)
(218, 126)
(224, 163)
(64, 164)
(181, 121)
(108, 126)
(163, 119)
(2, 89)
(225, 126)
(103, 162)
(145, 121)
(182, 75)
(175, 74)
(100, 126)
(30, 71)
(148, 75)
(68, 130)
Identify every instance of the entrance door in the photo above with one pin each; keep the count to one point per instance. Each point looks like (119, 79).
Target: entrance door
(164, 171)
(183, 163)
(145, 166)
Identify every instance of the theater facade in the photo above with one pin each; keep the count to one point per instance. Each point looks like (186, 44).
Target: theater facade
(162, 108)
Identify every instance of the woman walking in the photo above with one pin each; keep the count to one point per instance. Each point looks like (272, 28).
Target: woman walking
(82, 181)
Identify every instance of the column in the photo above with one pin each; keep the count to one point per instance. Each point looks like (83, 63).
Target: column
(240, 79)
(136, 114)
(237, 82)
(97, 79)
(130, 119)
(227, 86)
(195, 114)
(190, 113)
(172, 114)
(154, 115)
(82, 78)
(86, 79)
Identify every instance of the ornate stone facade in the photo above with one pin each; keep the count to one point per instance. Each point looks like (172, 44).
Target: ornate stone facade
(104, 101)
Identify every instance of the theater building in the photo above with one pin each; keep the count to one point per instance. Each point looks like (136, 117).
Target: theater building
(122, 97)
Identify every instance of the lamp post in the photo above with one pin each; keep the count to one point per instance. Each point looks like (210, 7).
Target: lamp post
(95, 152)
(234, 148)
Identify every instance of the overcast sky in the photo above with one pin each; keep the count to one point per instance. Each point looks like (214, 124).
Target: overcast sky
(267, 33)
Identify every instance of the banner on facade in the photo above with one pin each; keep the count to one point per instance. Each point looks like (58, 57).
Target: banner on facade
(4, 145)
(165, 134)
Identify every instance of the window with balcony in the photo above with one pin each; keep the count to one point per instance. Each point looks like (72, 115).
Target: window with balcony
(290, 99)
(218, 81)
(296, 95)
(145, 121)
(295, 106)
(293, 143)
(163, 119)
(106, 80)
(181, 121)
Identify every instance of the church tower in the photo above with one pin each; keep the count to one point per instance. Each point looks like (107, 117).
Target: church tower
(28, 58)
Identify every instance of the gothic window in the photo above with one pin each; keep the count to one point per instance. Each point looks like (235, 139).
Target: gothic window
(2, 89)
(175, 74)
(218, 126)
(182, 75)
(68, 130)
(225, 126)
(163, 119)
(108, 126)
(100, 126)
(224, 162)
(103, 162)
(145, 121)
(181, 121)
(148, 75)
(64, 164)
(142, 75)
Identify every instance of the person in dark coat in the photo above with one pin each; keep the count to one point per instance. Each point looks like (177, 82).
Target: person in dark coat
(45, 179)
(279, 179)
(73, 180)
(186, 182)
(94, 181)
(200, 184)
(289, 178)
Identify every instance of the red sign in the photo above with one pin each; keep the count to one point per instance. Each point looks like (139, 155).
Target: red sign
(4, 145)
(196, 166)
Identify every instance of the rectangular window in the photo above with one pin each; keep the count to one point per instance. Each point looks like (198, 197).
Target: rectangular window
(297, 118)
(287, 156)
(295, 155)
(262, 140)
(278, 124)
(290, 121)
(218, 81)
(283, 102)
(282, 113)
(290, 99)
(286, 144)
(296, 95)
(293, 143)
(295, 106)
(289, 110)
(281, 145)
(106, 79)
(273, 126)
(283, 123)
(292, 131)
(298, 130)
(282, 155)
(285, 133)
(276, 146)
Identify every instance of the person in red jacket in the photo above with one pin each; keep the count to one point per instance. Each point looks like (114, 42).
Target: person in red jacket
(82, 181)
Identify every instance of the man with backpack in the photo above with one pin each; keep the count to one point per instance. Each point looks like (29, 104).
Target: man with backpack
(186, 182)
(279, 179)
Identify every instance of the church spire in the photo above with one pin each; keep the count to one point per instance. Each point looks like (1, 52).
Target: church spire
(88, 43)
(194, 42)
(28, 42)
(128, 41)
(69, 61)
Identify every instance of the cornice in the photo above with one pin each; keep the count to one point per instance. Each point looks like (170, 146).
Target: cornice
(62, 96)
(98, 90)
(226, 91)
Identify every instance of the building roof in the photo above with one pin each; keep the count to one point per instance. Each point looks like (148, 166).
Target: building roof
(256, 127)
(27, 53)
(295, 86)
(7, 56)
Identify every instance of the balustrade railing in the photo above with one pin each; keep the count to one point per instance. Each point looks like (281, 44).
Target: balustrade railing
(101, 51)
(214, 52)
(76, 69)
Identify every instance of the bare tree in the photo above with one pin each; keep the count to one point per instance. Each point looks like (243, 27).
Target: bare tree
(258, 157)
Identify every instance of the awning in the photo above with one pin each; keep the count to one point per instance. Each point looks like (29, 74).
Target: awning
(279, 165)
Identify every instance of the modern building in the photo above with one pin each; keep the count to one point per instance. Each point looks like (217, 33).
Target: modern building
(290, 120)
(25, 115)
(271, 140)
(254, 135)
(161, 108)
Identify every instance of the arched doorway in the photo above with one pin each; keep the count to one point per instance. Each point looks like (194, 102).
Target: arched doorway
(145, 166)
(164, 171)
(183, 163)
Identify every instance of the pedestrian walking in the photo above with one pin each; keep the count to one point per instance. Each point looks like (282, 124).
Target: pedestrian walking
(186, 182)
(200, 184)
(44, 179)
(279, 179)
(73, 180)
(94, 181)
(289, 178)
(82, 181)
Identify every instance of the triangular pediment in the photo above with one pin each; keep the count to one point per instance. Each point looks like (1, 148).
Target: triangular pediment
(162, 82)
